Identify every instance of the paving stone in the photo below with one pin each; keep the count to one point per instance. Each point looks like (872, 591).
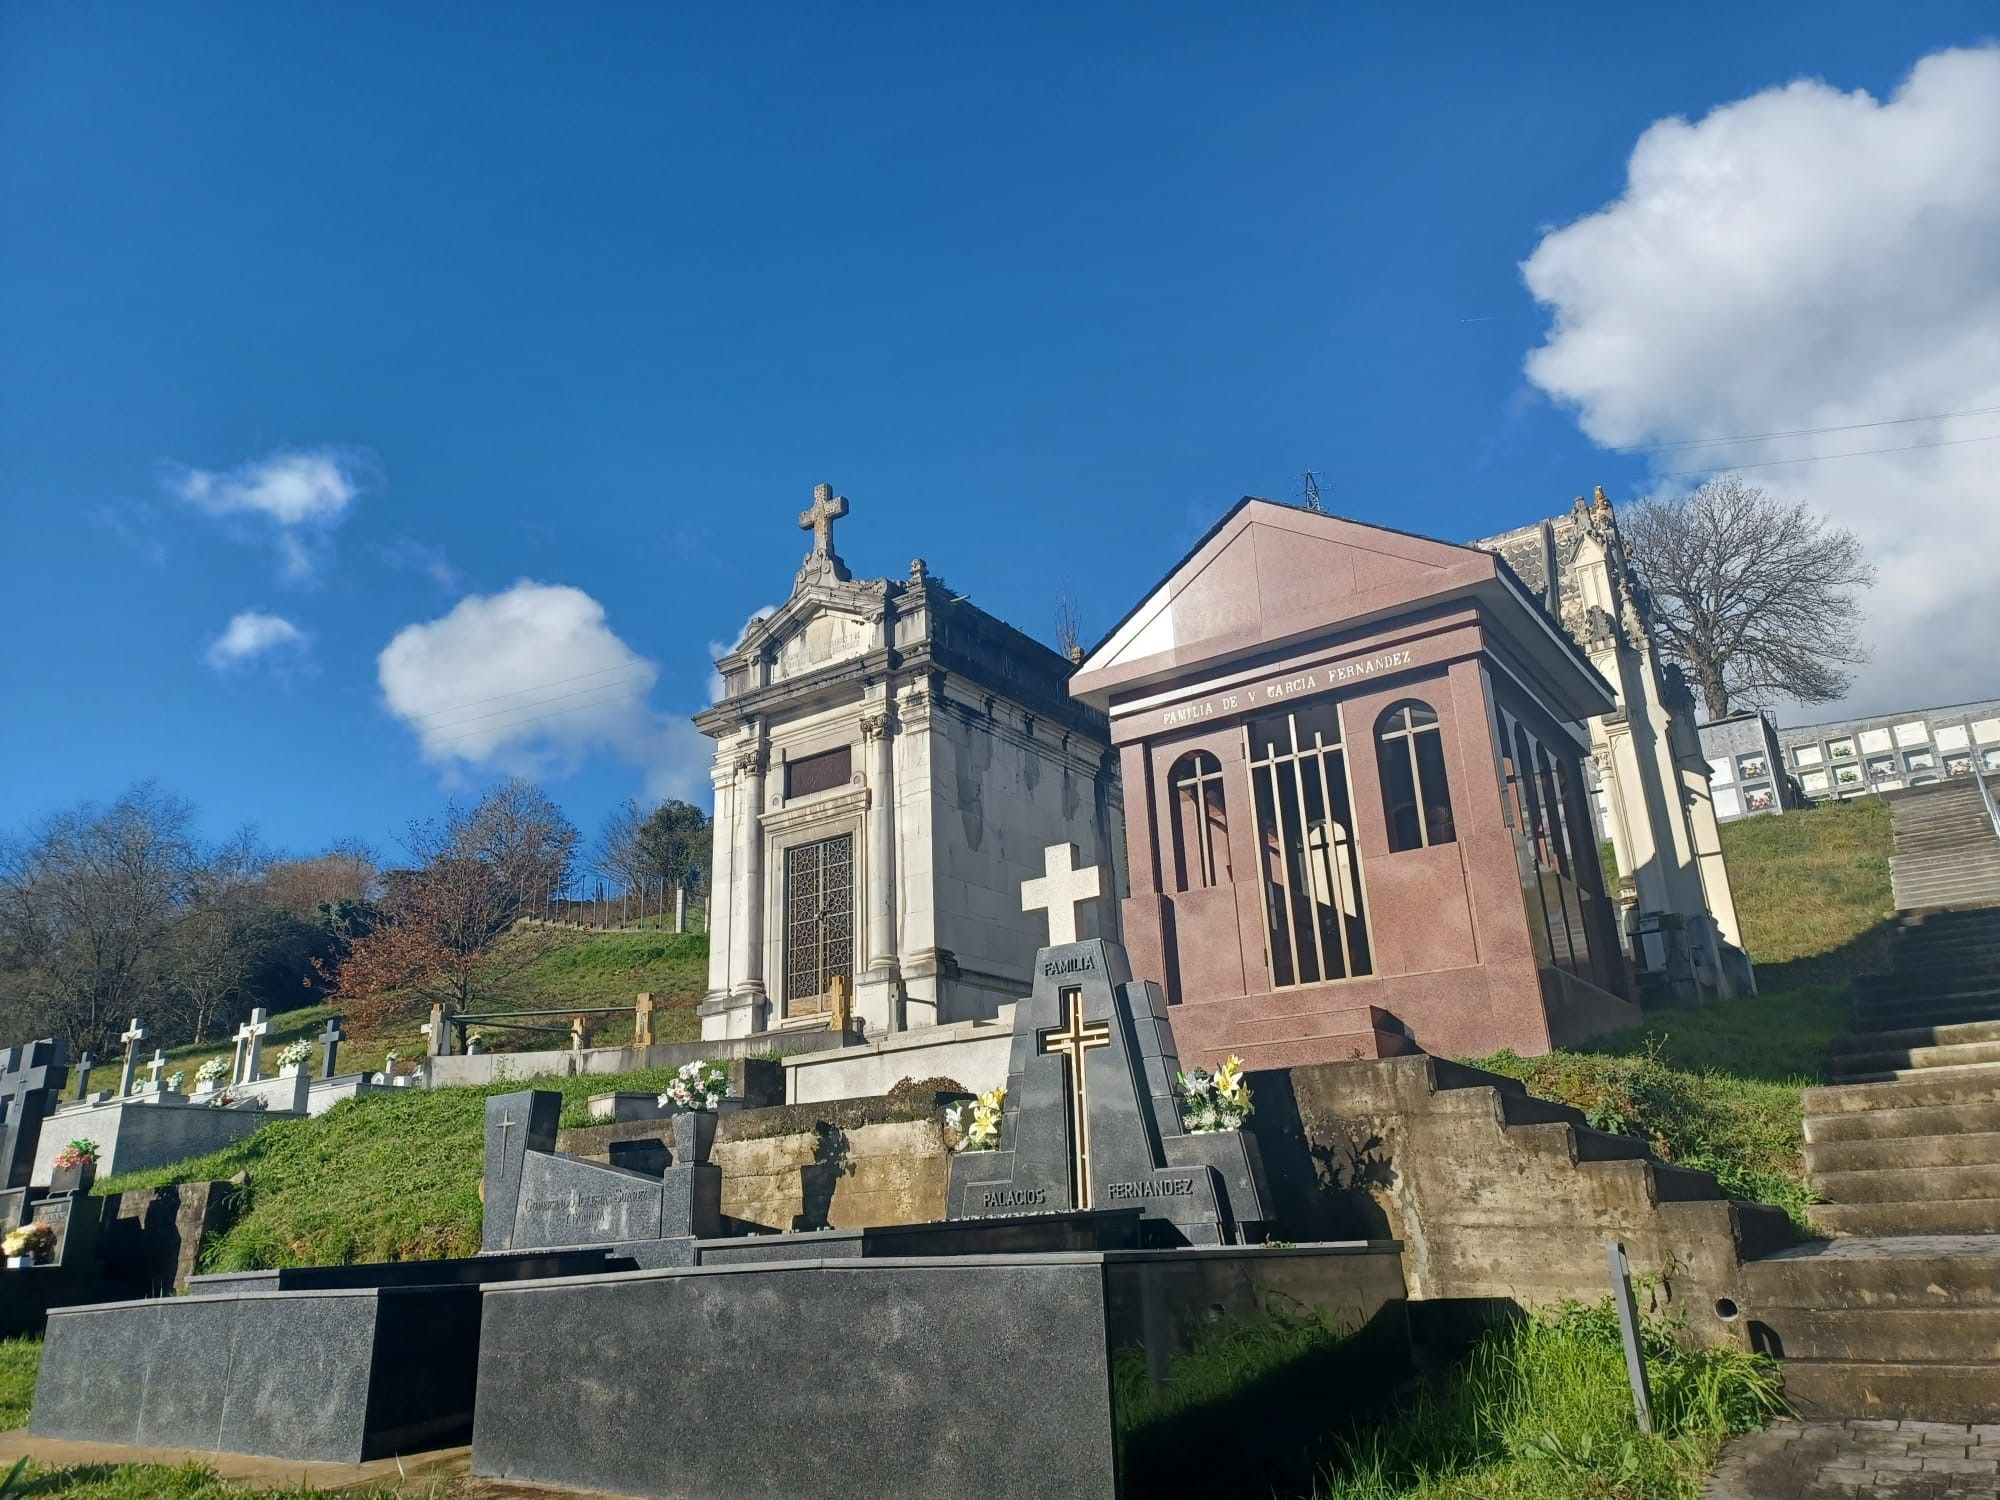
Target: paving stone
(1860, 1459)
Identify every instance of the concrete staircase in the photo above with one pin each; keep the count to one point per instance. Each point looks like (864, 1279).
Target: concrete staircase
(1897, 1314)
(1945, 853)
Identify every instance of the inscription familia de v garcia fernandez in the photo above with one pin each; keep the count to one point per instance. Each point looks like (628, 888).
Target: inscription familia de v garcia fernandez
(1158, 1187)
(1318, 679)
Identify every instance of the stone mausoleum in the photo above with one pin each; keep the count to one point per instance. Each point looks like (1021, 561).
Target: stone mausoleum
(1356, 814)
(890, 763)
(1647, 769)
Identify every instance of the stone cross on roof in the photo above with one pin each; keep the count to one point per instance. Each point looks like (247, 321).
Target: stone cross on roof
(1061, 890)
(827, 507)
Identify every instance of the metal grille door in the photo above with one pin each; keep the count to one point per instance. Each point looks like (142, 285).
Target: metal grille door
(819, 921)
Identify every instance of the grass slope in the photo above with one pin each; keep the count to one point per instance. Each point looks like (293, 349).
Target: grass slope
(540, 969)
(389, 1176)
(1718, 1087)
(1542, 1411)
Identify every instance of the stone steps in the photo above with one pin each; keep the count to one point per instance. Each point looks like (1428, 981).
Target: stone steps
(1903, 1062)
(1931, 1391)
(1918, 1013)
(1971, 1072)
(1904, 1153)
(1286, 1039)
(1863, 1043)
(1929, 1087)
(1905, 1326)
(1975, 1216)
(1911, 1184)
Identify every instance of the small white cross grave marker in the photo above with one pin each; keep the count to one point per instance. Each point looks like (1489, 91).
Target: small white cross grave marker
(250, 1046)
(136, 1034)
(1060, 890)
(156, 1067)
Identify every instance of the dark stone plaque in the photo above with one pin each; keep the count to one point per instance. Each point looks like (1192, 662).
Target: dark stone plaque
(1091, 1119)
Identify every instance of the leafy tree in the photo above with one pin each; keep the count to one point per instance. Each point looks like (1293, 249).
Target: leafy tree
(670, 845)
(476, 871)
(1754, 596)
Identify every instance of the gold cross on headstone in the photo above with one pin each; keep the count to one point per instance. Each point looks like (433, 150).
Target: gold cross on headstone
(827, 507)
(1071, 1040)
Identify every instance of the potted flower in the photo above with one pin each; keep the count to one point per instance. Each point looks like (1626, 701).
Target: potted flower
(175, 1080)
(75, 1168)
(475, 1043)
(693, 1093)
(1215, 1101)
(208, 1077)
(976, 1127)
(292, 1061)
(28, 1244)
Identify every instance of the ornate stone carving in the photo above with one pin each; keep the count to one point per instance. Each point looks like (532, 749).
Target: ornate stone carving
(877, 725)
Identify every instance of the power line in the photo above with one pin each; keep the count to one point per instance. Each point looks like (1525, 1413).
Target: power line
(1773, 463)
(616, 682)
(452, 708)
(1763, 437)
(501, 730)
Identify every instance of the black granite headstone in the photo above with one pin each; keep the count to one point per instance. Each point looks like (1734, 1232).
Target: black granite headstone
(538, 1198)
(515, 1125)
(1091, 1119)
(31, 1080)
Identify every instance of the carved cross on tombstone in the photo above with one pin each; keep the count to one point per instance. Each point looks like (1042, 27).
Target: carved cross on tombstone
(31, 1080)
(1061, 891)
(250, 1047)
(1071, 1040)
(135, 1035)
(156, 1067)
(827, 507)
(330, 1040)
(83, 1066)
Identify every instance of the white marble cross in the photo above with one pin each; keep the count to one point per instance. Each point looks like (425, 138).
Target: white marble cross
(135, 1035)
(250, 1046)
(1061, 890)
(156, 1067)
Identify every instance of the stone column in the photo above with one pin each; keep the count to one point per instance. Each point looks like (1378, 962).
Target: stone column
(878, 995)
(747, 921)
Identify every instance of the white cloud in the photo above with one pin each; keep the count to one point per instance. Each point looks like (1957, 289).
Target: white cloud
(530, 680)
(251, 634)
(719, 649)
(1807, 258)
(413, 556)
(298, 497)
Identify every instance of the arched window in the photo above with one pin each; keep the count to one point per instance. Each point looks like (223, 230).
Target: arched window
(1416, 794)
(1201, 822)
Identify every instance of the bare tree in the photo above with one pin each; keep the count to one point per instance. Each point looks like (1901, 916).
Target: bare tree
(1754, 596)
(617, 855)
(1069, 625)
(86, 902)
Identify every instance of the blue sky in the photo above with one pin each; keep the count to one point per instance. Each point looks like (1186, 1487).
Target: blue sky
(350, 317)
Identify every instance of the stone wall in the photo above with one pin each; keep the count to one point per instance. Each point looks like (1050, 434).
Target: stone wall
(843, 1164)
(1496, 1194)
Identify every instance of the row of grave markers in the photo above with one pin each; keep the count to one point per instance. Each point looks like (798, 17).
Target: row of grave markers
(246, 1067)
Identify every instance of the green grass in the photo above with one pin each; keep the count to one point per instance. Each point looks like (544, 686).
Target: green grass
(388, 1176)
(187, 1482)
(1749, 1132)
(1542, 1411)
(20, 1359)
(573, 969)
(1812, 891)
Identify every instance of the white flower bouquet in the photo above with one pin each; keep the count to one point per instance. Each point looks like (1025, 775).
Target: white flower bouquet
(1215, 1101)
(697, 1085)
(295, 1054)
(206, 1075)
(976, 1126)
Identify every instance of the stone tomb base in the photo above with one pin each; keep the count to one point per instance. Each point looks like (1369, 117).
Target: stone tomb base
(1000, 1376)
(335, 1375)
